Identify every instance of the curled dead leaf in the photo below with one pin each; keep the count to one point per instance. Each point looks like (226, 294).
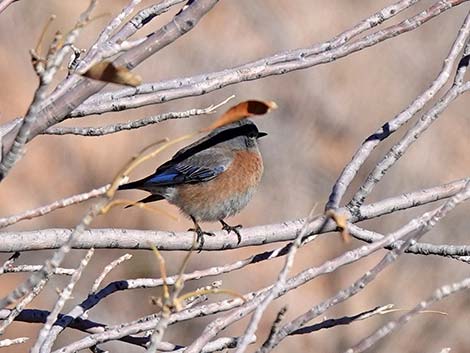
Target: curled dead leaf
(241, 111)
(108, 72)
(342, 223)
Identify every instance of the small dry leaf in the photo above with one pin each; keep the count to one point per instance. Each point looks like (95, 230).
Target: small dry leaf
(342, 223)
(241, 111)
(108, 72)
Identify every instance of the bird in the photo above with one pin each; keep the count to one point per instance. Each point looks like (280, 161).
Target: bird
(211, 179)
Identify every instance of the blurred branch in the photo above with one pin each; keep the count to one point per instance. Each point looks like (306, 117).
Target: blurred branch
(8, 342)
(5, 3)
(136, 124)
(277, 64)
(36, 268)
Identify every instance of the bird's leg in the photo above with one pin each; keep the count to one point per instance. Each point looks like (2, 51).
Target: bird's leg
(234, 229)
(199, 233)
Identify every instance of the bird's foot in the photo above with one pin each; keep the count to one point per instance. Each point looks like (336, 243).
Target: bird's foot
(200, 236)
(234, 229)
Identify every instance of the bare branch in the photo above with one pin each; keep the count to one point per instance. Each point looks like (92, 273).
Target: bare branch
(136, 124)
(297, 325)
(286, 231)
(351, 169)
(391, 326)
(5, 3)
(420, 126)
(108, 269)
(43, 210)
(81, 88)
(275, 327)
(8, 342)
(220, 344)
(277, 287)
(53, 63)
(416, 225)
(37, 268)
(346, 320)
(40, 316)
(277, 64)
(45, 340)
(33, 289)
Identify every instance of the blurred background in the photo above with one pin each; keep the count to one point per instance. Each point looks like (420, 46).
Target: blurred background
(324, 114)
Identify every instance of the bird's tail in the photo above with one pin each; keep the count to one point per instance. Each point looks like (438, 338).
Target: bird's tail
(139, 184)
(134, 185)
(150, 198)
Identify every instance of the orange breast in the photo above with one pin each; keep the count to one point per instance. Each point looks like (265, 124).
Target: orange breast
(226, 194)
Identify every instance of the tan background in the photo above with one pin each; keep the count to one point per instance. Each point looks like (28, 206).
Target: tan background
(324, 114)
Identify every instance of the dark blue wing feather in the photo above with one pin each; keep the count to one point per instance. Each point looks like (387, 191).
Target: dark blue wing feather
(200, 167)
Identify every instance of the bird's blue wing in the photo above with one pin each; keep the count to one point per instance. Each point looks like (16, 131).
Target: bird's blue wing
(200, 167)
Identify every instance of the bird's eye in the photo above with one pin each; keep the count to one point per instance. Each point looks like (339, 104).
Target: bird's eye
(252, 134)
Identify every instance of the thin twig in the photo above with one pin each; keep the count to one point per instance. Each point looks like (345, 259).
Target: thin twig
(37, 268)
(5, 3)
(130, 125)
(278, 285)
(277, 64)
(108, 269)
(45, 341)
(412, 135)
(53, 62)
(360, 156)
(43, 210)
(346, 320)
(10, 342)
(391, 326)
(29, 295)
(298, 323)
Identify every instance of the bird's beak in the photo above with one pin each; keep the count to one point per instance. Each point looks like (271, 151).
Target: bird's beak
(261, 134)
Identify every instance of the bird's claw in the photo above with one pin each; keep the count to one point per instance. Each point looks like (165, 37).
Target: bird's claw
(200, 236)
(234, 229)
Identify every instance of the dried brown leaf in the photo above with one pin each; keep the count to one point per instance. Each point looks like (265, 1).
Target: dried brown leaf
(108, 72)
(342, 223)
(241, 111)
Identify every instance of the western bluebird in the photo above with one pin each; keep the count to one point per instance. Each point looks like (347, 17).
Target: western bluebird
(212, 178)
